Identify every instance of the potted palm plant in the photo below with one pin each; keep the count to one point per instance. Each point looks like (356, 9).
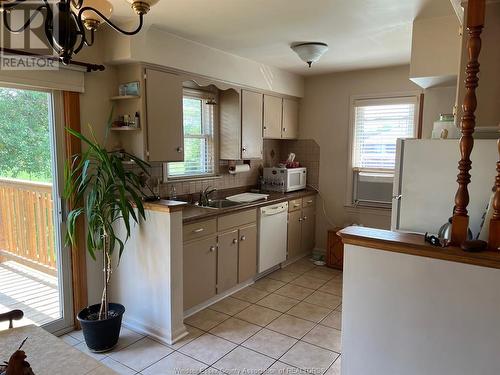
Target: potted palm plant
(106, 193)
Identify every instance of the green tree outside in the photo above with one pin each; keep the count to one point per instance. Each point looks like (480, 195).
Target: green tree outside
(25, 147)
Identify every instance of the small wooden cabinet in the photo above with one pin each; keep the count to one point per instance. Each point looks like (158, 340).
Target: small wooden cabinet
(301, 226)
(273, 117)
(199, 270)
(335, 250)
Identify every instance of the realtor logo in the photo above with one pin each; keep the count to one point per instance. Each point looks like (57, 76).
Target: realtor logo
(32, 50)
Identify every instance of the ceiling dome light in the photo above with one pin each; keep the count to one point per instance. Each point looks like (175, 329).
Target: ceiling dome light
(310, 52)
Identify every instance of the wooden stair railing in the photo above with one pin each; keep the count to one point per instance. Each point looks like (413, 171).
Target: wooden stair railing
(475, 24)
(494, 230)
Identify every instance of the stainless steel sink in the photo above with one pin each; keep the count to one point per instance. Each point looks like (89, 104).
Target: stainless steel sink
(221, 203)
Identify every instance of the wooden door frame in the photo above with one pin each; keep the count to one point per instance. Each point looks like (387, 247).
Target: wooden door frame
(73, 146)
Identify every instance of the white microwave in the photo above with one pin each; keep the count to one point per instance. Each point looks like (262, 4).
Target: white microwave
(284, 179)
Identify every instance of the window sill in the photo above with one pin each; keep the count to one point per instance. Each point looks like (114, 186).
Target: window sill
(374, 210)
(191, 179)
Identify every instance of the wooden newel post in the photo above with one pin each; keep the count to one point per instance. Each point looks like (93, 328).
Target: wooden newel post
(494, 231)
(475, 23)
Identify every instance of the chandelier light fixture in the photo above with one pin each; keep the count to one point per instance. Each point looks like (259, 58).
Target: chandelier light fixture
(69, 25)
(310, 52)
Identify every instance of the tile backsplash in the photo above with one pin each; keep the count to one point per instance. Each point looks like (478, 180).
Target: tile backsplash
(307, 153)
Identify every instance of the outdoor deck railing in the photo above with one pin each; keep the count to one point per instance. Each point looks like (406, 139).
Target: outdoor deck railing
(26, 223)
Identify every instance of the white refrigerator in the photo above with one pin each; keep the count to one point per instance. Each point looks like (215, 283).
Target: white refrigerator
(425, 183)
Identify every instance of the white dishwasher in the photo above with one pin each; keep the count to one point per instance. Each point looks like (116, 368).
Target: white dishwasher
(272, 235)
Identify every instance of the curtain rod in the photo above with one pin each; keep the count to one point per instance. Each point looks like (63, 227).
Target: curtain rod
(88, 66)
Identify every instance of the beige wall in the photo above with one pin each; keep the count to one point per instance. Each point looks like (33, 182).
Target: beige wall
(324, 117)
(156, 46)
(437, 100)
(95, 108)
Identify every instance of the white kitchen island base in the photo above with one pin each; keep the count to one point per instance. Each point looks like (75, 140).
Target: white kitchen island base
(413, 315)
(148, 281)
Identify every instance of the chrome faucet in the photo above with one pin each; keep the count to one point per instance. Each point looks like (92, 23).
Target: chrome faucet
(204, 196)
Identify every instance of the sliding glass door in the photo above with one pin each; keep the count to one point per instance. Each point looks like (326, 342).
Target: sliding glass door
(35, 271)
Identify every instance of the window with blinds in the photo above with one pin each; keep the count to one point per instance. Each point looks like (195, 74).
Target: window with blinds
(199, 149)
(378, 123)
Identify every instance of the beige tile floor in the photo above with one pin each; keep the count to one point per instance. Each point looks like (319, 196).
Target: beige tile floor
(286, 323)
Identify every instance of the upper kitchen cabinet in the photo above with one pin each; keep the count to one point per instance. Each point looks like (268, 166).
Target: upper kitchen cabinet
(251, 125)
(230, 124)
(240, 114)
(158, 133)
(273, 117)
(290, 129)
(165, 137)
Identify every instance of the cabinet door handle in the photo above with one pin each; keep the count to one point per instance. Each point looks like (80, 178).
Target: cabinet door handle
(284, 129)
(212, 249)
(199, 230)
(243, 238)
(265, 127)
(309, 202)
(244, 149)
(305, 217)
(300, 219)
(179, 149)
(296, 205)
(235, 240)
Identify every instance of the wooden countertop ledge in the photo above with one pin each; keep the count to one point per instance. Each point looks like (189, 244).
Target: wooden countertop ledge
(414, 244)
(164, 205)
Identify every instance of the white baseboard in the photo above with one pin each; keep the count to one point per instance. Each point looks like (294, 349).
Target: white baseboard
(217, 298)
(158, 334)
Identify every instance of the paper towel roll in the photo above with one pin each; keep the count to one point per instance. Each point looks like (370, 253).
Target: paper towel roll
(239, 168)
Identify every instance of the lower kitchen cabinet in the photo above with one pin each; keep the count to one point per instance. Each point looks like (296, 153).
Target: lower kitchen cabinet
(247, 253)
(294, 235)
(200, 271)
(301, 228)
(219, 254)
(227, 261)
(307, 239)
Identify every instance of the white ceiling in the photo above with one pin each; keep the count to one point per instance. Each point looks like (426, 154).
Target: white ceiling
(360, 33)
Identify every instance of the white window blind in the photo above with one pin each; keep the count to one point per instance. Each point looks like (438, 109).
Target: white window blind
(198, 122)
(378, 123)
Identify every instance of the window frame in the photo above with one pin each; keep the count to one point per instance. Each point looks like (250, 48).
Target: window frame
(200, 94)
(386, 97)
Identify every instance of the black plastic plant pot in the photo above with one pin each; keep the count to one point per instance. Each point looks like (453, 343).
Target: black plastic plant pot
(101, 335)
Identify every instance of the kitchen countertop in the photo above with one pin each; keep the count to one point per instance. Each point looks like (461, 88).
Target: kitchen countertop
(192, 213)
(414, 244)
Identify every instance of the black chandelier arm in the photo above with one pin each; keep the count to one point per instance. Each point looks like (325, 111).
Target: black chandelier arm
(85, 41)
(11, 5)
(26, 24)
(113, 26)
(76, 3)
